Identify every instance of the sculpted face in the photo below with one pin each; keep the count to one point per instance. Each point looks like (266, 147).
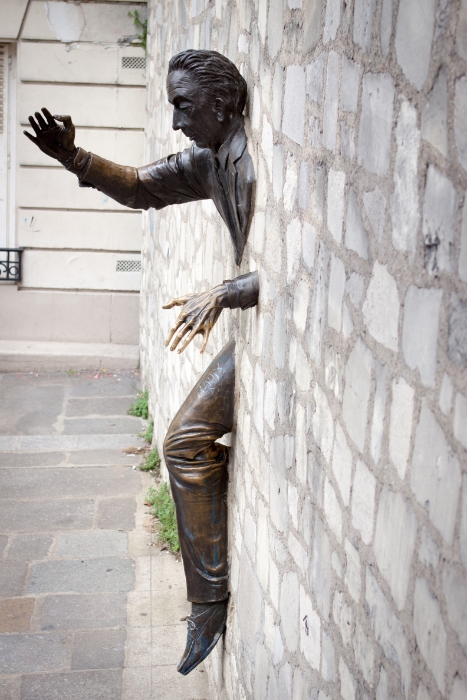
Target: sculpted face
(201, 120)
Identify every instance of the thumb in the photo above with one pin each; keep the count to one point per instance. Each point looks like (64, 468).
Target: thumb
(65, 119)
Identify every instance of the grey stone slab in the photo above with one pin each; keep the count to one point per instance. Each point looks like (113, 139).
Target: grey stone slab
(90, 545)
(83, 576)
(85, 685)
(10, 688)
(116, 514)
(457, 342)
(167, 607)
(28, 484)
(114, 457)
(46, 516)
(84, 611)
(108, 442)
(108, 386)
(102, 426)
(98, 649)
(48, 442)
(28, 547)
(192, 687)
(108, 406)
(167, 644)
(32, 459)
(3, 543)
(26, 411)
(12, 578)
(29, 653)
(8, 442)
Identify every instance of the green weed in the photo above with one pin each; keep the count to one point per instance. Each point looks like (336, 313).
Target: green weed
(143, 37)
(163, 508)
(148, 434)
(140, 406)
(152, 462)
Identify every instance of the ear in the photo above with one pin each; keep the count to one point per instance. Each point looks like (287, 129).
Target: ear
(220, 109)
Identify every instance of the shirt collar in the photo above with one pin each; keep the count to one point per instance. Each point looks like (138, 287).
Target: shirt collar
(222, 154)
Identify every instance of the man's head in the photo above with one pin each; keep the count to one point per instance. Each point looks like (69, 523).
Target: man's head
(207, 93)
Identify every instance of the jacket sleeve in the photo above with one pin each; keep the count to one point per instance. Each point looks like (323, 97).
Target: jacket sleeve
(170, 180)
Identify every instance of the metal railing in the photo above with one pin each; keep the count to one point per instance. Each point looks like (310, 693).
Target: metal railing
(10, 264)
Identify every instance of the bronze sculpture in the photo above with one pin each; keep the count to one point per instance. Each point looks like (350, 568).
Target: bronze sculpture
(208, 95)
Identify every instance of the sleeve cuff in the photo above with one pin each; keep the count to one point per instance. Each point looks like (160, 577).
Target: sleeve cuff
(243, 291)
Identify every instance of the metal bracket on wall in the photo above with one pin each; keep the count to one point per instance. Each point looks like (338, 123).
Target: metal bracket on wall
(10, 264)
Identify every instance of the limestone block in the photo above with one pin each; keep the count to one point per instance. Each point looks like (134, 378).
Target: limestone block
(374, 135)
(328, 659)
(310, 631)
(439, 222)
(277, 86)
(420, 331)
(354, 288)
(364, 653)
(350, 85)
(414, 34)
(404, 200)
(381, 307)
(463, 247)
(300, 307)
(275, 27)
(357, 392)
(457, 340)
(270, 405)
(300, 439)
(320, 570)
(400, 428)
(331, 100)
(246, 374)
(336, 203)
(261, 671)
(463, 524)
(336, 293)
(331, 20)
(267, 144)
(11, 16)
(375, 207)
(356, 238)
(303, 186)
(312, 11)
(293, 120)
(302, 370)
(363, 23)
(460, 419)
(342, 464)
(318, 191)
(249, 600)
(285, 674)
(363, 501)
(435, 477)
(343, 617)
(395, 534)
(334, 371)
(445, 395)
(273, 252)
(459, 689)
(460, 120)
(256, 109)
(277, 170)
(388, 632)
(294, 238)
(249, 533)
(314, 79)
(386, 26)
(308, 244)
(332, 510)
(289, 610)
(428, 552)
(353, 571)
(317, 319)
(347, 141)
(429, 631)
(461, 31)
(379, 409)
(348, 682)
(323, 426)
(435, 115)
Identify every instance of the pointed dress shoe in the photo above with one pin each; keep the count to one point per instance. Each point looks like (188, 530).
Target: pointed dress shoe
(205, 626)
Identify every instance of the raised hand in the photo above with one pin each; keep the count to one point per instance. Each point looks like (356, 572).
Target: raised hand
(54, 139)
(198, 315)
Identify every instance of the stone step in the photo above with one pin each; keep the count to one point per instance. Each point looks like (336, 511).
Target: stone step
(42, 356)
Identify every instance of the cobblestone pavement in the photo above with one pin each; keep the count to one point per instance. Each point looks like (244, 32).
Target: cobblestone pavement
(90, 606)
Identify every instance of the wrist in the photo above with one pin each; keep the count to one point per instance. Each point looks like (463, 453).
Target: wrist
(222, 296)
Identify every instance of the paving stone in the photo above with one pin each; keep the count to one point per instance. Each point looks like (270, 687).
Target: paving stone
(93, 649)
(404, 200)
(331, 100)
(29, 653)
(89, 545)
(109, 406)
(3, 544)
(460, 120)
(30, 413)
(420, 331)
(388, 630)
(357, 392)
(395, 534)
(83, 611)
(136, 683)
(168, 606)
(375, 207)
(168, 645)
(356, 238)
(350, 84)
(363, 501)
(12, 578)
(435, 115)
(336, 203)
(314, 79)
(457, 340)
(87, 576)
(10, 688)
(85, 685)
(429, 631)
(293, 120)
(381, 307)
(34, 459)
(102, 426)
(363, 23)
(435, 476)
(105, 387)
(414, 34)
(455, 592)
(331, 20)
(46, 515)
(99, 458)
(15, 614)
(47, 442)
(400, 426)
(8, 442)
(181, 687)
(439, 222)
(374, 135)
(28, 547)
(108, 442)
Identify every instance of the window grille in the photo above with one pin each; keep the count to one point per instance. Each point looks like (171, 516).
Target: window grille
(128, 265)
(3, 69)
(134, 62)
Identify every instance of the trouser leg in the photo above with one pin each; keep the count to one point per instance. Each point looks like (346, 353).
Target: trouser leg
(198, 475)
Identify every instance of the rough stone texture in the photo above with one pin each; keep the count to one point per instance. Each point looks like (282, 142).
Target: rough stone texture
(381, 308)
(374, 136)
(293, 121)
(439, 221)
(457, 347)
(414, 33)
(357, 392)
(460, 121)
(420, 331)
(400, 426)
(435, 115)
(429, 630)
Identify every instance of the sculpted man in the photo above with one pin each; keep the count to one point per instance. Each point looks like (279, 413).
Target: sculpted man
(208, 95)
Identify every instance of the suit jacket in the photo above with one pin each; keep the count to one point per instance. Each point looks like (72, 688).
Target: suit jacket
(183, 177)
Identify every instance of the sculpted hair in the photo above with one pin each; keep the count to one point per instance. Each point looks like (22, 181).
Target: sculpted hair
(215, 75)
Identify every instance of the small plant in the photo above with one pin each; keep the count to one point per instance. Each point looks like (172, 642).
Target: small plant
(163, 508)
(152, 462)
(143, 37)
(140, 406)
(148, 434)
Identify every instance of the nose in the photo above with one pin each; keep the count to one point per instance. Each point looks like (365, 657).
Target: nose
(176, 120)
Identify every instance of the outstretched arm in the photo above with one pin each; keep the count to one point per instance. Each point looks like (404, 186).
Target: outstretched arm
(54, 135)
(201, 311)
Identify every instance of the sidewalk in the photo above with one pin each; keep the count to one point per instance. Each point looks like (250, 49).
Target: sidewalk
(90, 606)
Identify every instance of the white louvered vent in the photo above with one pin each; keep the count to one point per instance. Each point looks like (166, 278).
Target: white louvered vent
(134, 62)
(128, 265)
(3, 69)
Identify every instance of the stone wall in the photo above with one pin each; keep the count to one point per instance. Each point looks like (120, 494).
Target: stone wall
(348, 478)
